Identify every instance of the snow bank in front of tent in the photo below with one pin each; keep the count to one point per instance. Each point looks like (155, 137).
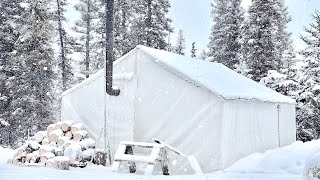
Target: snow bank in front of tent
(290, 162)
(215, 77)
(291, 159)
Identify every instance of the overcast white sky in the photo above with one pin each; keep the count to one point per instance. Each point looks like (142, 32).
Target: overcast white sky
(193, 16)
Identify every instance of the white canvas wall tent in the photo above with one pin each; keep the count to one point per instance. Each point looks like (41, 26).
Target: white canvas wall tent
(198, 107)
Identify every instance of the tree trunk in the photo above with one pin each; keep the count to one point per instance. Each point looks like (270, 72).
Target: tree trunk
(62, 48)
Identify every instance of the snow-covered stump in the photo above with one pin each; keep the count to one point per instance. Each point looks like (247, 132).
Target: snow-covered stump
(76, 127)
(59, 162)
(54, 135)
(79, 135)
(66, 125)
(39, 136)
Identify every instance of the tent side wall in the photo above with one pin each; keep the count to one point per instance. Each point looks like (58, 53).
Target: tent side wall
(178, 113)
(252, 126)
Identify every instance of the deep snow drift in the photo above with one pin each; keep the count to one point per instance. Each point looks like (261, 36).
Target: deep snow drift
(284, 163)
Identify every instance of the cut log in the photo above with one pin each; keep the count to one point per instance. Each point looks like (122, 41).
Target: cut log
(79, 135)
(57, 125)
(73, 152)
(39, 136)
(46, 148)
(69, 134)
(66, 125)
(45, 141)
(49, 163)
(76, 127)
(50, 128)
(45, 157)
(54, 135)
(62, 140)
(19, 152)
(67, 144)
(87, 143)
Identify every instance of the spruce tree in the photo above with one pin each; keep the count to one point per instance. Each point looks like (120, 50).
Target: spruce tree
(258, 38)
(31, 86)
(193, 50)
(180, 45)
(10, 11)
(282, 38)
(65, 43)
(123, 12)
(224, 46)
(308, 107)
(151, 24)
(87, 26)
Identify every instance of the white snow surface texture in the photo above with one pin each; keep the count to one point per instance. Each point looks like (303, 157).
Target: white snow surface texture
(216, 77)
(287, 163)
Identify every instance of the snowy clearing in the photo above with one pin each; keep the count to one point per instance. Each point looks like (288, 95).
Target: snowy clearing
(278, 164)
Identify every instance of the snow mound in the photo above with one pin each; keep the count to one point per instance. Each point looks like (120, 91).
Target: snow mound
(291, 159)
(5, 155)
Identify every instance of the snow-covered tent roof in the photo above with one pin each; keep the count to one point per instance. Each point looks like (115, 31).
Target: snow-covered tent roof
(215, 77)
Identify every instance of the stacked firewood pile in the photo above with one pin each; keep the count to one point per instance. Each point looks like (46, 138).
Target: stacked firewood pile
(62, 145)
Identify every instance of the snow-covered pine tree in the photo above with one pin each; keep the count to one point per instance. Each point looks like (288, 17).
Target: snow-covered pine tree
(10, 11)
(282, 38)
(123, 11)
(87, 27)
(65, 43)
(224, 46)
(31, 85)
(193, 50)
(151, 23)
(258, 39)
(180, 44)
(308, 108)
(203, 55)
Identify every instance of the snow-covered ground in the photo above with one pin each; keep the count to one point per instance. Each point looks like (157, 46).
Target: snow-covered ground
(279, 164)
